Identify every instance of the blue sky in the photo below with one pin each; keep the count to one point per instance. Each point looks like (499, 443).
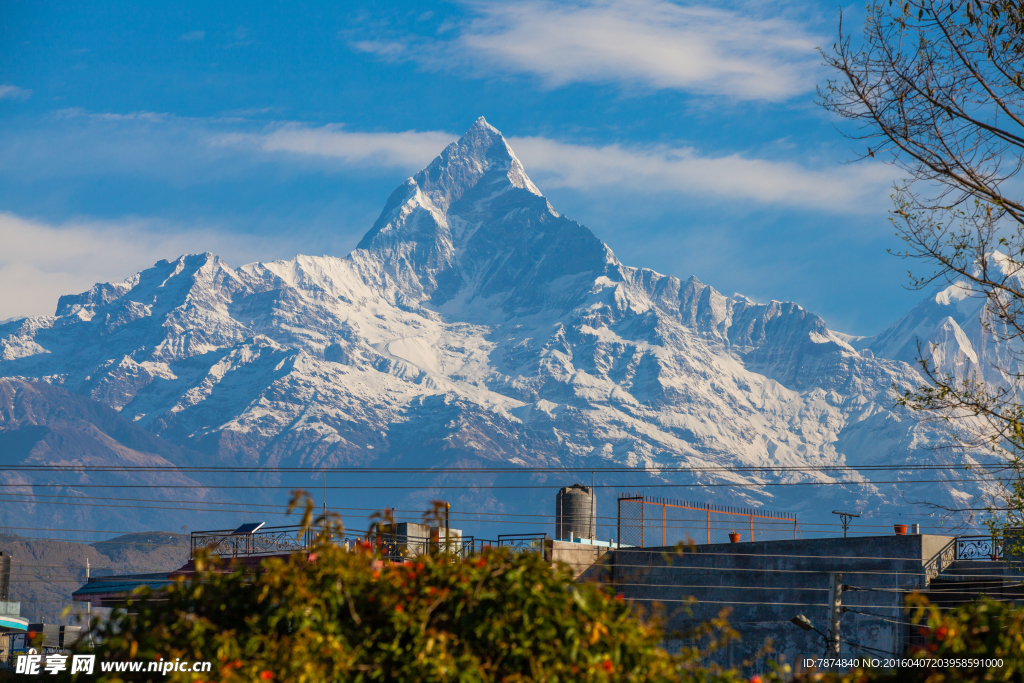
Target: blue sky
(684, 134)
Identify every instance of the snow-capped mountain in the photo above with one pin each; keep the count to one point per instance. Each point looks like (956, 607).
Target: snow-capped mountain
(954, 330)
(475, 324)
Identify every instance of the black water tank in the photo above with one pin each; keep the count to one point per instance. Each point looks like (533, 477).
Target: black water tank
(576, 512)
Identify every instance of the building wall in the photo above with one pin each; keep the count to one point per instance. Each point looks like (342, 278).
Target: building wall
(585, 561)
(765, 584)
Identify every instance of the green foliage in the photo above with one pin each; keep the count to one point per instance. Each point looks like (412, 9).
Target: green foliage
(983, 630)
(337, 615)
(976, 633)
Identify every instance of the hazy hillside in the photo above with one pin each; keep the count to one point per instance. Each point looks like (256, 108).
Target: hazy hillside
(46, 572)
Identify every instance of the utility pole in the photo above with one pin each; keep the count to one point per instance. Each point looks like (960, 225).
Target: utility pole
(835, 606)
(88, 605)
(846, 517)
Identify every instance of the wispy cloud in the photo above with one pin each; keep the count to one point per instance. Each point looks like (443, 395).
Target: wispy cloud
(635, 169)
(685, 170)
(13, 92)
(41, 261)
(192, 36)
(407, 150)
(739, 53)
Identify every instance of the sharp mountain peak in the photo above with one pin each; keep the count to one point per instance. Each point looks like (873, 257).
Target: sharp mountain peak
(473, 225)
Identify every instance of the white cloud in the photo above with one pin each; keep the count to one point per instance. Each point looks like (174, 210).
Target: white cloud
(733, 177)
(638, 170)
(40, 262)
(647, 43)
(13, 92)
(409, 149)
(192, 36)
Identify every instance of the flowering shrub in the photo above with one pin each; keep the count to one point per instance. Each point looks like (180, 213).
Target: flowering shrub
(337, 615)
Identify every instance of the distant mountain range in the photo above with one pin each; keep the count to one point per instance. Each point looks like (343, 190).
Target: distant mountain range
(473, 325)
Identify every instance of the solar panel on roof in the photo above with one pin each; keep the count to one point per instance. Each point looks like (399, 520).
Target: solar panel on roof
(247, 528)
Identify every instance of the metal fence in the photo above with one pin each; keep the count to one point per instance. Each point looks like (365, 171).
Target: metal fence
(393, 547)
(644, 521)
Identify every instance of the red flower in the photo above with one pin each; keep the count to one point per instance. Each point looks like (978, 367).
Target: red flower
(608, 665)
(266, 675)
(755, 679)
(941, 633)
(399, 608)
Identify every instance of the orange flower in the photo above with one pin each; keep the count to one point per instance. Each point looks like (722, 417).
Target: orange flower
(608, 665)
(755, 679)
(266, 675)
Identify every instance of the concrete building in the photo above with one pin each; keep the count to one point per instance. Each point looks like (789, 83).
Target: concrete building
(766, 584)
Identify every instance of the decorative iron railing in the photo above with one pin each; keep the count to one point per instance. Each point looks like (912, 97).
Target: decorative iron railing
(265, 541)
(978, 548)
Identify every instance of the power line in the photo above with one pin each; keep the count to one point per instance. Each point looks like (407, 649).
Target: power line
(447, 487)
(652, 469)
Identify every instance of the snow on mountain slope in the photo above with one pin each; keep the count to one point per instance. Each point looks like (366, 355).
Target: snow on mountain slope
(952, 328)
(472, 324)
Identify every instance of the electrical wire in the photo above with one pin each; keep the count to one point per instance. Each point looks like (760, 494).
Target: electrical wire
(520, 487)
(653, 469)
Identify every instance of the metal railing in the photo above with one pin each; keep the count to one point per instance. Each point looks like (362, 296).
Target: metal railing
(399, 548)
(978, 548)
(287, 539)
(523, 543)
(273, 540)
